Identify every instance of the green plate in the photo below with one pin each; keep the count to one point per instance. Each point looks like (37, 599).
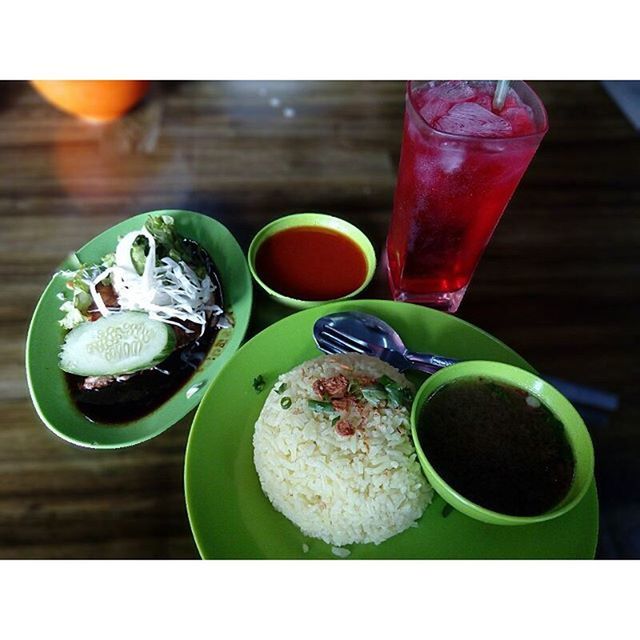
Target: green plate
(230, 516)
(47, 383)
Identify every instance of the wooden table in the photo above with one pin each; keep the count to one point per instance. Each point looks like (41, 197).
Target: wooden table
(559, 281)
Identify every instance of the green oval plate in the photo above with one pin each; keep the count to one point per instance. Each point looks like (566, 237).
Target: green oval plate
(47, 384)
(230, 516)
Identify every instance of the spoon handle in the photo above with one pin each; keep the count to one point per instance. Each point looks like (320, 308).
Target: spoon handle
(575, 393)
(586, 396)
(428, 359)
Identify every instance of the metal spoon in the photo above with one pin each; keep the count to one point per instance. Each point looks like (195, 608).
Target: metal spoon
(354, 331)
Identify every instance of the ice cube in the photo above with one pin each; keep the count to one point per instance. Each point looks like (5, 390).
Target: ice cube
(434, 109)
(451, 157)
(520, 118)
(470, 119)
(512, 100)
(485, 101)
(434, 102)
(453, 91)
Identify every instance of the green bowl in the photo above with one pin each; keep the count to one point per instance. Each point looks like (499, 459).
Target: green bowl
(311, 220)
(575, 430)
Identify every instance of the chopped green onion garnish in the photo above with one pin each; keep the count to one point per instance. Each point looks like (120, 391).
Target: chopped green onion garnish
(258, 383)
(281, 388)
(353, 388)
(395, 395)
(285, 402)
(398, 396)
(374, 395)
(319, 405)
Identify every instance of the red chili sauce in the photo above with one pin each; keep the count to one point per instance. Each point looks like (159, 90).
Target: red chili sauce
(311, 263)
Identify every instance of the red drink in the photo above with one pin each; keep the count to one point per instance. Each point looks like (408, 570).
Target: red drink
(459, 166)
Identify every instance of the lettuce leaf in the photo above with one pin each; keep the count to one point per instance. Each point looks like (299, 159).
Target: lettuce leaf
(76, 309)
(171, 244)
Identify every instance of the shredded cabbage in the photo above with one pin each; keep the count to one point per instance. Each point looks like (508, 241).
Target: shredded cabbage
(167, 289)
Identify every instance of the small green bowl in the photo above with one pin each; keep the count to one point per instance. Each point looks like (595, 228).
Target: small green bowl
(311, 220)
(575, 430)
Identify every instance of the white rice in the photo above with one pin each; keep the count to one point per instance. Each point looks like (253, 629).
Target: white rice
(360, 488)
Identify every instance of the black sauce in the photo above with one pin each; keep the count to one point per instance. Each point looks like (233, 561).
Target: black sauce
(491, 446)
(142, 393)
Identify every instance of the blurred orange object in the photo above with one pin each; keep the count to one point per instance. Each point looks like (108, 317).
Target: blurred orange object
(96, 100)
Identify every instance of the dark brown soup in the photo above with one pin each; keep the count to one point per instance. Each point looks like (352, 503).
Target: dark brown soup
(497, 446)
(112, 401)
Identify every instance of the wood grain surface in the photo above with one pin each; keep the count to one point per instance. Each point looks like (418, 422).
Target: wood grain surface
(559, 282)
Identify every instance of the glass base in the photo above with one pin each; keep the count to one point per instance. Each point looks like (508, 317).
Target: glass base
(449, 301)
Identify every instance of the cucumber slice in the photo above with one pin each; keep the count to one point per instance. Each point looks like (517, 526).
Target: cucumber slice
(119, 343)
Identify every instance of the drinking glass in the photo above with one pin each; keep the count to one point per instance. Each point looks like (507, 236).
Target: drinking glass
(453, 187)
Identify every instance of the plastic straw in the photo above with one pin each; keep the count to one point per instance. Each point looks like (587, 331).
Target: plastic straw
(500, 95)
